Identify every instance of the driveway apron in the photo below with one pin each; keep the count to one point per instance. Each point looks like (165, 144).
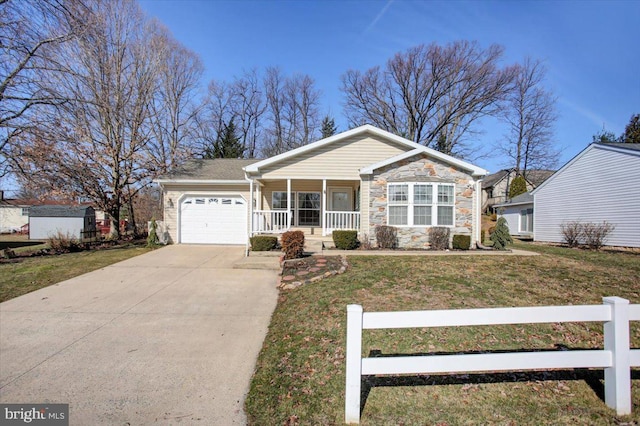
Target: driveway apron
(168, 337)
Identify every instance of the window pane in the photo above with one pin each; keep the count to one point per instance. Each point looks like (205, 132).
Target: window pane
(445, 194)
(308, 200)
(398, 215)
(445, 215)
(422, 194)
(279, 200)
(309, 218)
(422, 215)
(398, 194)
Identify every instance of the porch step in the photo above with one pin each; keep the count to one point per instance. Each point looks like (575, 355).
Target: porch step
(258, 262)
(313, 245)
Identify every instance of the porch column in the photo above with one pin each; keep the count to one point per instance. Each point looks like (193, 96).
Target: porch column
(288, 203)
(324, 207)
(251, 198)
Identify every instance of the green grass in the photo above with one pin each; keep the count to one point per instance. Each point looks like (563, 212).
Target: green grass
(300, 371)
(34, 273)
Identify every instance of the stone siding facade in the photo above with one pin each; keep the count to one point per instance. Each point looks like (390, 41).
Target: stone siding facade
(420, 169)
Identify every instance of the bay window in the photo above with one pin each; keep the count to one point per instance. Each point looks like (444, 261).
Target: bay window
(421, 204)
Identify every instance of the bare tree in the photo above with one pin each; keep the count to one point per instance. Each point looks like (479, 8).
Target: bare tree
(530, 115)
(28, 28)
(292, 111)
(97, 145)
(174, 108)
(432, 95)
(249, 107)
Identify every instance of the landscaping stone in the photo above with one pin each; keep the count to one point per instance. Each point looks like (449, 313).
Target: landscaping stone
(310, 269)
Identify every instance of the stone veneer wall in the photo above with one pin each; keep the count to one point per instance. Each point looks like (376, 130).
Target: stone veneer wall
(420, 169)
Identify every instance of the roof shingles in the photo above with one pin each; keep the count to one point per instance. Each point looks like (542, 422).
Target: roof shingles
(215, 169)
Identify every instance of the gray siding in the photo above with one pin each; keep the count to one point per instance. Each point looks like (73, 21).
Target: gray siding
(512, 215)
(598, 185)
(42, 228)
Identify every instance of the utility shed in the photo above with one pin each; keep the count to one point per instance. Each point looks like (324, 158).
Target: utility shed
(601, 183)
(72, 221)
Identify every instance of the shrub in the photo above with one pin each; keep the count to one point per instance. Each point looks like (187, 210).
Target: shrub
(64, 243)
(595, 234)
(293, 244)
(482, 235)
(518, 186)
(8, 253)
(386, 237)
(439, 238)
(501, 236)
(345, 240)
(461, 242)
(572, 232)
(263, 242)
(365, 242)
(152, 238)
(492, 229)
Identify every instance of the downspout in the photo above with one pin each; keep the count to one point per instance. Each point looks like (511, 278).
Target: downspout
(250, 217)
(478, 227)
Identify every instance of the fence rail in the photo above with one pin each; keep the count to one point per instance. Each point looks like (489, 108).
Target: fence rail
(271, 221)
(338, 220)
(616, 358)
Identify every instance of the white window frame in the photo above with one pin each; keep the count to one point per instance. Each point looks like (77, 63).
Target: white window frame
(293, 200)
(410, 203)
(528, 219)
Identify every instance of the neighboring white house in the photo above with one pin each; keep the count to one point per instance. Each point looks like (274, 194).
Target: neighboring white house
(358, 180)
(518, 212)
(72, 221)
(602, 183)
(14, 214)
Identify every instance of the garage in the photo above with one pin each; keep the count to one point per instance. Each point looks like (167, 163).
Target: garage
(213, 219)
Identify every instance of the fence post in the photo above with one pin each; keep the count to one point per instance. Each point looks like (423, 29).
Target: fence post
(617, 378)
(354, 364)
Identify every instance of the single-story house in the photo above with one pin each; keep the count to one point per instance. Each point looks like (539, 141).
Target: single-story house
(518, 212)
(14, 214)
(495, 187)
(71, 221)
(358, 180)
(601, 183)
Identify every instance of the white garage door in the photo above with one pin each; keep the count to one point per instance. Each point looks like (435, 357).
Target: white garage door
(213, 220)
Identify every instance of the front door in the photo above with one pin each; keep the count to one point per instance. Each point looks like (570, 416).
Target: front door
(340, 200)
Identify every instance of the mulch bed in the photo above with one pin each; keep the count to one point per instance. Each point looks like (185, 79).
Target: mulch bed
(297, 272)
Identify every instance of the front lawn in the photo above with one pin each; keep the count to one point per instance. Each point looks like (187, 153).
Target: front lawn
(33, 273)
(300, 371)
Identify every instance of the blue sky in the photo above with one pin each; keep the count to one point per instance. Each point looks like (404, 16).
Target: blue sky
(590, 48)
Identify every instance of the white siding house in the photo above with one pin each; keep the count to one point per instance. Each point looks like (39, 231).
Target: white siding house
(518, 212)
(602, 183)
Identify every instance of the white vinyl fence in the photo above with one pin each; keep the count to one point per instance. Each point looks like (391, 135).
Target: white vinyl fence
(616, 358)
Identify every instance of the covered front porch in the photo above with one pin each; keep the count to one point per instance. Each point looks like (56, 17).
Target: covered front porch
(316, 206)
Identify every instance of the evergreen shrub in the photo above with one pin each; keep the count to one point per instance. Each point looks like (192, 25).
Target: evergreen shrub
(345, 240)
(263, 242)
(461, 242)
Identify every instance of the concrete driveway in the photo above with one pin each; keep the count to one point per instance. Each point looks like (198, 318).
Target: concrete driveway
(168, 337)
